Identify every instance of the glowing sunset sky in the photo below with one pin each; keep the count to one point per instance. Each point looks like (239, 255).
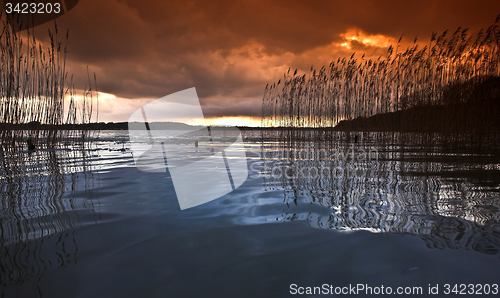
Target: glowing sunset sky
(230, 50)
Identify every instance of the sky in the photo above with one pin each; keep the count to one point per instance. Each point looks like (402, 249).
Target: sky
(141, 51)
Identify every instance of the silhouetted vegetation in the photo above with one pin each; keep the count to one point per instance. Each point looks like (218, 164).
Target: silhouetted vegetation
(451, 75)
(468, 107)
(34, 86)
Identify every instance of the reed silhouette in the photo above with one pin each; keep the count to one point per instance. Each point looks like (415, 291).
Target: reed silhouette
(39, 166)
(34, 88)
(440, 73)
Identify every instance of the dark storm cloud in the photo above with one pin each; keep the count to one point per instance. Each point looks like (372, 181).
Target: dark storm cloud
(229, 50)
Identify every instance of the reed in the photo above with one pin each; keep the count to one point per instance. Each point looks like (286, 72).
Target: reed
(44, 194)
(34, 87)
(349, 88)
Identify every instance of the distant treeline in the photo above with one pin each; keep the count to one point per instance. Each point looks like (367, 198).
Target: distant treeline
(86, 126)
(35, 125)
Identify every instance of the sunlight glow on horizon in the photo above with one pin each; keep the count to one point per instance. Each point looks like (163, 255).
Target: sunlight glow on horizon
(227, 121)
(117, 109)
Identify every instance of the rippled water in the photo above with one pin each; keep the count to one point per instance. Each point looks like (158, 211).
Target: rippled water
(337, 209)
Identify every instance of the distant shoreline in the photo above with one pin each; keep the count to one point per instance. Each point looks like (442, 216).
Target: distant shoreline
(109, 126)
(390, 122)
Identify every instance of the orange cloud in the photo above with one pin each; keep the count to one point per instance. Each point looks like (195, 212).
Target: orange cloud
(357, 35)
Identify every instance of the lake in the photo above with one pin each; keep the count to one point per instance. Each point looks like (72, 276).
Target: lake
(320, 213)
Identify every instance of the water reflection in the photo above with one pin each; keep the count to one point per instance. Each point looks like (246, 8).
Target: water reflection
(444, 189)
(43, 195)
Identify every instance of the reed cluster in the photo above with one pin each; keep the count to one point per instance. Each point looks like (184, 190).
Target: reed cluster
(34, 84)
(350, 87)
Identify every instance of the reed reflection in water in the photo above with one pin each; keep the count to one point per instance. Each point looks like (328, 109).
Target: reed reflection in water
(43, 196)
(445, 189)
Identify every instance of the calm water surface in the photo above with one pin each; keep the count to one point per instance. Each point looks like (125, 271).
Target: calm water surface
(392, 211)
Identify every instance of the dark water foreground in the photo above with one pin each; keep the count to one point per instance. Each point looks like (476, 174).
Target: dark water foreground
(375, 210)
